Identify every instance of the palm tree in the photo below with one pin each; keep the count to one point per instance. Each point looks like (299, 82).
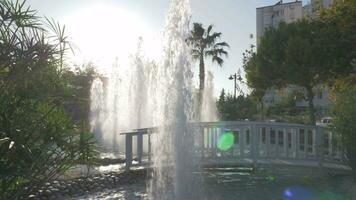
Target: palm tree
(204, 44)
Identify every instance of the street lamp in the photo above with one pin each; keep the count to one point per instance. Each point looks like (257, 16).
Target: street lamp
(236, 77)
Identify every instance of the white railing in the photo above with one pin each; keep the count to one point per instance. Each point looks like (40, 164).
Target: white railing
(254, 141)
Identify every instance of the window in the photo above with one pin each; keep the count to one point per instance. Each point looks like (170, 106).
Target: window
(281, 12)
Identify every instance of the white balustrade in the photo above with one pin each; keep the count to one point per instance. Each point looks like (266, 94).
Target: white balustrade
(254, 141)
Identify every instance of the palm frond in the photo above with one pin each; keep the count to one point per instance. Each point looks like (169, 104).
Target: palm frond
(216, 52)
(218, 60)
(221, 44)
(209, 29)
(198, 30)
(211, 39)
(195, 52)
(204, 43)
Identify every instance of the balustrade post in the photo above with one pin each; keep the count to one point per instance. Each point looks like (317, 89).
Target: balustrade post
(128, 151)
(215, 141)
(319, 146)
(242, 134)
(297, 146)
(201, 131)
(285, 142)
(254, 134)
(149, 145)
(268, 140)
(139, 147)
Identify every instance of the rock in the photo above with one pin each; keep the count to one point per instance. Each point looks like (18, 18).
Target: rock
(32, 196)
(55, 190)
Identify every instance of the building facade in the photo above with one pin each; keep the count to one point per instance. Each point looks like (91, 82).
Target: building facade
(310, 10)
(272, 16)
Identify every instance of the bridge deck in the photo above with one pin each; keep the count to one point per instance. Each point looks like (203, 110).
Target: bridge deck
(258, 144)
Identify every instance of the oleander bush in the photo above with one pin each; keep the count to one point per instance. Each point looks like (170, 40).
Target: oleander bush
(38, 139)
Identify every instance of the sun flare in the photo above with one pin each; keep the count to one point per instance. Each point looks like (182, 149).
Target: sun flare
(101, 33)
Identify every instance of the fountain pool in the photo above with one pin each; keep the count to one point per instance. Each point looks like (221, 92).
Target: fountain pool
(245, 185)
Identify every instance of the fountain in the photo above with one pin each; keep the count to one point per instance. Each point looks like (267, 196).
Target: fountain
(160, 94)
(209, 110)
(121, 102)
(147, 94)
(174, 97)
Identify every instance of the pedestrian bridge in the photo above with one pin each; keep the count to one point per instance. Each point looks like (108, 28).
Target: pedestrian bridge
(255, 144)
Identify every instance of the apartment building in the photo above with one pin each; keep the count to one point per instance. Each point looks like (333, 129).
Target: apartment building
(272, 16)
(311, 8)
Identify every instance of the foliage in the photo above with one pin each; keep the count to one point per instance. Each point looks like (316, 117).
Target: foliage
(341, 16)
(304, 53)
(77, 103)
(204, 44)
(285, 106)
(287, 111)
(38, 140)
(88, 148)
(256, 80)
(344, 114)
(231, 109)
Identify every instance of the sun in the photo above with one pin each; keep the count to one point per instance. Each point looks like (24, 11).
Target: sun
(103, 32)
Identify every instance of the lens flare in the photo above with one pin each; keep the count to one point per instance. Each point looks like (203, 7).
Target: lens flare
(288, 193)
(226, 141)
(297, 193)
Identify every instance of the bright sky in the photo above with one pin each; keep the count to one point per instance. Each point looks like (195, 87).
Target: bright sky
(103, 29)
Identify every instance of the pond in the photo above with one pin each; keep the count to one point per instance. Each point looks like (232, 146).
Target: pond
(247, 185)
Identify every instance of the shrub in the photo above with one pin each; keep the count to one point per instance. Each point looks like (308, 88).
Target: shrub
(38, 140)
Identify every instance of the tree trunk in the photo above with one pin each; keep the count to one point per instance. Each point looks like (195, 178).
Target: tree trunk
(311, 109)
(201, 73)
(201, 85)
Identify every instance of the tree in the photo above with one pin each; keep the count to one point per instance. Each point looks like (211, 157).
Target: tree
(231, 109)
(255, 78)
(204, 44)
(342, 16)
(38, 140)
(344, 115)
(77, 103)
(305, 53)
(222, 95)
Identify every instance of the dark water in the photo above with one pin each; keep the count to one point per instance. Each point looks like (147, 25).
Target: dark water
(247, 185)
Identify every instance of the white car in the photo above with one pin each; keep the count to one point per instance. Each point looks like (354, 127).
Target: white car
(325, 121)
